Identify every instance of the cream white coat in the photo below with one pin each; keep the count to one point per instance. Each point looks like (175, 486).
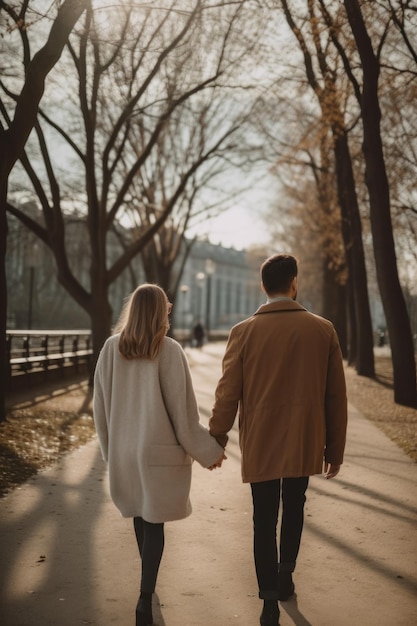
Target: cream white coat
(148, 427)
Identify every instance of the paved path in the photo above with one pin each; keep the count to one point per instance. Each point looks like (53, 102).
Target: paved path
(68, 558)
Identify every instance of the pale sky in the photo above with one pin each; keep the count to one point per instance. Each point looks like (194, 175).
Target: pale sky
(238, 228)
(244, 224)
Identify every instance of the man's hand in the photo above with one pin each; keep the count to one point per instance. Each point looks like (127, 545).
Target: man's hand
(218, 463)
(331, 470)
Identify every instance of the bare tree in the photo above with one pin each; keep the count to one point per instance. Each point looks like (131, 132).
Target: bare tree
(330, 95)
(14, 136)
(398, 96)
(221, 149)
(310, 218)
(133, 75)
(393, 300)
(349, 29)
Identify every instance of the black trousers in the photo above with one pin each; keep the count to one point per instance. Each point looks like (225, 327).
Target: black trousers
(266, 498)
(151, 540)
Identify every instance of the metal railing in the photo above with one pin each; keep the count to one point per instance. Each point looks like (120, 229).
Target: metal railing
(34, 350)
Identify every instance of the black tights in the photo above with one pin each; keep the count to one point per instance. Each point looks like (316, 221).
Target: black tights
(150, 539)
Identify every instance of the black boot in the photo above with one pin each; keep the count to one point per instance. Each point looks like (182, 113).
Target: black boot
(270, 613)
(144, 610)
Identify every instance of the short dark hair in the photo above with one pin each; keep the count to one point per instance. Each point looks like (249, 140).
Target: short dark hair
(277, 272)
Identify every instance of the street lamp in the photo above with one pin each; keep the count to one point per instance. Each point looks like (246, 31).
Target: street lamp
(184, 289)
(200, 276)
(210, 268)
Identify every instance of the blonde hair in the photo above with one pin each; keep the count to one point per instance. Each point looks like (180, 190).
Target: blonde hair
(143, 322)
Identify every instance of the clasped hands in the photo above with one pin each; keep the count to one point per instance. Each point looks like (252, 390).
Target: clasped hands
(218, 463)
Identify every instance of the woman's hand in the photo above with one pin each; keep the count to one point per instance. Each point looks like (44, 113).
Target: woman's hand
(218, 463)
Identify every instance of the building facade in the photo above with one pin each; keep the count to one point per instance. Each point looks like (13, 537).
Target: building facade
(218, 286)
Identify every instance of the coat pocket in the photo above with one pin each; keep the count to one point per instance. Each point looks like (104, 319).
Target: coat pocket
(168, 455)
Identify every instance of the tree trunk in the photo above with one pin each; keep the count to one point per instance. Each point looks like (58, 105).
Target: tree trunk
(332, 303)
(101, 323)
(352, 326)
(12, 142)
(393, 300)
(342, 318)
(4, 365)
(364, 349)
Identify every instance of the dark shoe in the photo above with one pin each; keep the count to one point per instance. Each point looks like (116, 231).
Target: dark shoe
(270, 614)
(286, 586)
(144, 613)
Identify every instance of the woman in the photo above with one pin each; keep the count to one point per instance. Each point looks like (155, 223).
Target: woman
(147, 422)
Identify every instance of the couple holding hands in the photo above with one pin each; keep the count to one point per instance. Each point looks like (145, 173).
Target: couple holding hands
(282, 374)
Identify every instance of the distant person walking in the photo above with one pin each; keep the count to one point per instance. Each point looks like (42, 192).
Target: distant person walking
(148, 427)
(198, 334)
(283, 371)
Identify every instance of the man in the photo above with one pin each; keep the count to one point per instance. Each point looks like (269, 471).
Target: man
(283, 370)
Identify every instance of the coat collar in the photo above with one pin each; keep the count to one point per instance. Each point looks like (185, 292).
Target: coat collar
(278, 307)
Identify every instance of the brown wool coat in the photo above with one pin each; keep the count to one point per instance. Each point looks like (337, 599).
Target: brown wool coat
(283, 371)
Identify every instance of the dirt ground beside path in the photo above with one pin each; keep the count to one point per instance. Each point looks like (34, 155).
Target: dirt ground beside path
(46, 423)
(42, 425)
(374, 398)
